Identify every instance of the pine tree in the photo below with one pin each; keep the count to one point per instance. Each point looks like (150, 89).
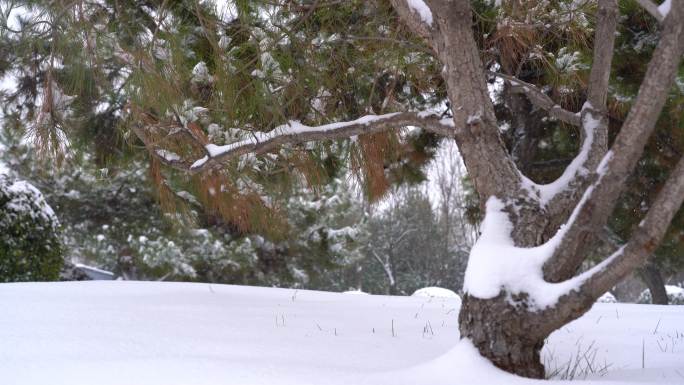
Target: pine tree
(203, 109)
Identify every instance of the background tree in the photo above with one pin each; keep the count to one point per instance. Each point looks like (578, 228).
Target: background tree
(404, 247)
(30, 248)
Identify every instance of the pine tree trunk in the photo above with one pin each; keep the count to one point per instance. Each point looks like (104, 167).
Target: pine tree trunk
(654, 281)
(503, 334)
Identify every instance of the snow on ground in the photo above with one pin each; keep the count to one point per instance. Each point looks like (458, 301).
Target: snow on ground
(128, 333)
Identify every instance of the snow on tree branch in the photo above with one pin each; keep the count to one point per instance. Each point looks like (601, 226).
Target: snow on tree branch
(422, 9)
(645, 238)
(625, 152)
(497, 264)
(576, 168)
(651, 8)
(296, 133)
(418, 16)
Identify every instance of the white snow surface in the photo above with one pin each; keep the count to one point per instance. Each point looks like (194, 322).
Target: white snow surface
(607, 297)
(149, 333)
(422, 9)
(355, 292)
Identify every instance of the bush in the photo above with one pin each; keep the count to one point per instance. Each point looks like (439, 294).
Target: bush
(30, 249)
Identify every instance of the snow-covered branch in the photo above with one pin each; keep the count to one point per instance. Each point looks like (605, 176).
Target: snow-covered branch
(651, 8)
(164, 156)
(417, 15)
(645, 238)
(578, 167)
(595, 209)
(297, 133)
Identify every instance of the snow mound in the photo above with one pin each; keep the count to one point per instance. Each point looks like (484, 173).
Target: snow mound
(439, 292)
(355, 292)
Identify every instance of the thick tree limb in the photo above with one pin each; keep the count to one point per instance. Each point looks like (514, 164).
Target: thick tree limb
(597, 92)
(602, 277)
(296, 133)
(540, 99)
(594, 211)
(593, 117)
(644, 240)
(604, 46)
(651, 8)
(599, 77)
(476, 129)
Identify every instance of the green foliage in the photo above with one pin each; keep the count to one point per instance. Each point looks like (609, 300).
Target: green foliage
(226, 72)
(30, 248)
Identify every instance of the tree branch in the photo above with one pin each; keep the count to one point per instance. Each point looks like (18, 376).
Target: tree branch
(604, 46)
(644, 240)
(476, 129)
(595, 208)
(594, 120)
(413, 19)
(164, 156)
(540, 99)
(297, 133)
(651, 8)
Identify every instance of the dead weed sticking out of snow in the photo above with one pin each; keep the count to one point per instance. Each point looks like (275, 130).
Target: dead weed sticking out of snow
(579, 366)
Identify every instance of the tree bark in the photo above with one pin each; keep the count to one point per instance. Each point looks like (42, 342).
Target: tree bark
(651, 276)
(501, 333)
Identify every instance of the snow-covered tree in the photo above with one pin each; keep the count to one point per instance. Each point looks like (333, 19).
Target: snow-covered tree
(288, 81)
(327, 234)
(522, 280)
(30, 247)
